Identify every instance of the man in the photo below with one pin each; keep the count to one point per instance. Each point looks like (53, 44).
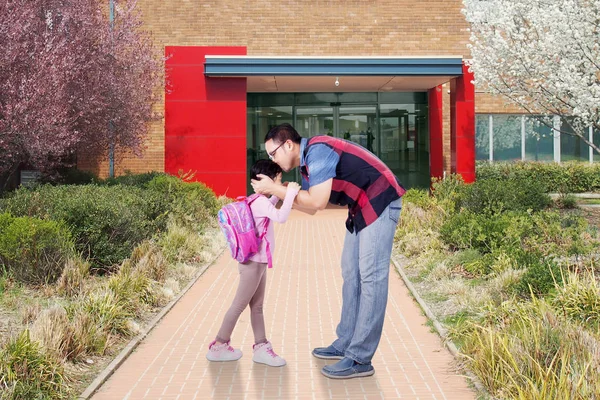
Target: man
(341, 172)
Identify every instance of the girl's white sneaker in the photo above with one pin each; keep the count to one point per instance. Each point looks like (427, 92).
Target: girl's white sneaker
(222, 352)
(264, 354)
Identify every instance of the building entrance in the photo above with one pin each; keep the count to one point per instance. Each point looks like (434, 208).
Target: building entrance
(396, 131)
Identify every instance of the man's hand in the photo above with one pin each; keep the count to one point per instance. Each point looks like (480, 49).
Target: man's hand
(264, 186)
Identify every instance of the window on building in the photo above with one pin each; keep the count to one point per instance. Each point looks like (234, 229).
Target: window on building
(260, 120)
(596, 140)
(539, 141)
(572, 147)
(507, 137)
(482, 137)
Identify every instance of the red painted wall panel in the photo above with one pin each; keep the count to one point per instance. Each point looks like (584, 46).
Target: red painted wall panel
(187, 82)
(462, 125)
(205, 120)
(219, 118)
(436, 131)
(191, 152)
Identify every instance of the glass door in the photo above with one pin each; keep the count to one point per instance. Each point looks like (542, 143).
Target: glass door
(358, 124)
(312, 121)
(404, 142)
(260, 121)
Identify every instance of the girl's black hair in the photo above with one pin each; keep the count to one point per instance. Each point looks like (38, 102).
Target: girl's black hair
(265, 167)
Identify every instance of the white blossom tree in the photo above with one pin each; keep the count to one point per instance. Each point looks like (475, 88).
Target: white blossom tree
(543, 55)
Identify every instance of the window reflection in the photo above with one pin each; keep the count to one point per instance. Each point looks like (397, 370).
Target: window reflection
(482, 137)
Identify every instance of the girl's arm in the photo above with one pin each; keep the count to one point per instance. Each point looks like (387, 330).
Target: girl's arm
(274, 200)
(267, 209)
(315, 198)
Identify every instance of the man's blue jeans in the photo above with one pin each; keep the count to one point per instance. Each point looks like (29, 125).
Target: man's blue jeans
(365, 271)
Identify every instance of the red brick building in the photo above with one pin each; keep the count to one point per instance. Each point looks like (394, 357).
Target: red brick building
(385, 74)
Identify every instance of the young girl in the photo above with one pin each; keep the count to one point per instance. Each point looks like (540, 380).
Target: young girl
(253, 276)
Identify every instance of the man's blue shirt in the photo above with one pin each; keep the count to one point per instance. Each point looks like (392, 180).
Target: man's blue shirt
(321, 162)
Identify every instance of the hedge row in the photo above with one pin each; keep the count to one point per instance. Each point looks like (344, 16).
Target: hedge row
(569, 177)
(103, 221)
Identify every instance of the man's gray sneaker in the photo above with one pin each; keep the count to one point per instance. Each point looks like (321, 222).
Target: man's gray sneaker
(327, 353)
(347, 368)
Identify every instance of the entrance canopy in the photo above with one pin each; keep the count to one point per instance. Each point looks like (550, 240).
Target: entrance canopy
(353, 74)
(206, 108)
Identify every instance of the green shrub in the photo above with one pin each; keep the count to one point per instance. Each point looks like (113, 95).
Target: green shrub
(482, 232)
(472, 261)
(88, 336)
(3, 283)
(499, 195)
(418, 197)
(107, 311)
(569, 177)
(525, 350)
(559, 234)
(512, 232)
(106, 222)
(579, 299)
(463, 257)
(73, 277)
(33, 250)
(131, 289)
(191, 204)
(180, 244)
(567, 201)
(26, 372)
(449, 191)
(5, 220)
(129, 179)
(148, 259)
(541, 276)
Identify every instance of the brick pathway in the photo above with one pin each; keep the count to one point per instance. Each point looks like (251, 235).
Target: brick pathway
(302, 308)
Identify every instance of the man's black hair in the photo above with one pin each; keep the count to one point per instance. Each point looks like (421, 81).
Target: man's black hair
(283, 132)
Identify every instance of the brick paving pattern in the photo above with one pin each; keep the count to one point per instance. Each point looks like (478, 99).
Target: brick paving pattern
(302, 308)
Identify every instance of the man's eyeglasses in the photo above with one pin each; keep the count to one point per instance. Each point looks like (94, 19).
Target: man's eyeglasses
(272, 154)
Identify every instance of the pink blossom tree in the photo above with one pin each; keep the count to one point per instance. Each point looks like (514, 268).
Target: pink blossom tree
(68, 80)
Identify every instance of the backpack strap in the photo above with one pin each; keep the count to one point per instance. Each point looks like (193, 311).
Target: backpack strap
(268, 248)
(250, 199)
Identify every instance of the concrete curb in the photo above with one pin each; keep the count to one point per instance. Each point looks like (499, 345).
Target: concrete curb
(588, 205)
(124, 354)
(399, 262)
(588, 195)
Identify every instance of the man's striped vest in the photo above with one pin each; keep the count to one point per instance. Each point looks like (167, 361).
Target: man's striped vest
(362, 181)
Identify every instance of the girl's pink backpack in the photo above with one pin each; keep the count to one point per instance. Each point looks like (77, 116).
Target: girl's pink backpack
(237, 223)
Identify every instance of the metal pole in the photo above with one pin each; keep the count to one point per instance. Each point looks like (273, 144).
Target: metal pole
(111, 150)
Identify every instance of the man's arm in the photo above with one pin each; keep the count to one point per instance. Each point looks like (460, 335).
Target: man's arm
(304, 210)
(315, 198)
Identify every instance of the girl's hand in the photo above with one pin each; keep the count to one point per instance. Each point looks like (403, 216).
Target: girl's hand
(293, 186)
